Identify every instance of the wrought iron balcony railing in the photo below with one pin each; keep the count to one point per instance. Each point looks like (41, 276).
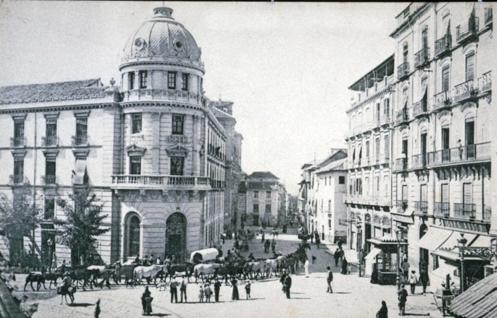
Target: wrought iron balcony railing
(17, 141)
(49, 179)
(159, 181)
(443, 45)
(420, 108)
(485, 82)
(442, 209)
(177, 139)
(421, 206)
(400, 164)
(422, 57)
(464, 91)
(49, 141)
(403, 71)
(460, 154)
(467, 31)
(442, 100)
(16, 179)
(465, 211)
(81, 140)
(402, 116)
(401, 204)
(419, 161)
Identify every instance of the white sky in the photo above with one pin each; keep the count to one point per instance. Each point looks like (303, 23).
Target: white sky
(286, 66)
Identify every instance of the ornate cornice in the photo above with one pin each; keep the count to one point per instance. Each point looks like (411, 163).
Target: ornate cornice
(177, 150)
(135, 151)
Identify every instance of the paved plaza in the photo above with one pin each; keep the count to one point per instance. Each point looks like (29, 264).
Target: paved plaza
(353, 296)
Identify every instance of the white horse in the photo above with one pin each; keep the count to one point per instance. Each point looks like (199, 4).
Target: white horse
(271, 267)
(205, 270)
(148, 272)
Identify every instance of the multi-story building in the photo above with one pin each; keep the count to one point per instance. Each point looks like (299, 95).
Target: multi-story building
(223, 111)
(262, 194)
(151, 149)
(442, 137)
(369, 156)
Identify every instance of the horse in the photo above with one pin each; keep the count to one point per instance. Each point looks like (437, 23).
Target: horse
(80, 276)
(100, 271)
(37, 277)
(185, 270)
(52, 277)
(271, 266)
(205, 270)
(255, 268)
(148, 272)
(65, 291)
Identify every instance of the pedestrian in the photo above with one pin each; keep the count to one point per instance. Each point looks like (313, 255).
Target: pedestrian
(217, 288)
(405, 269)
(263, 237)
(288, 285)
(329, 280)
(413, 280)
(173, 290)
(234, 294)
(63, 267)
(247, 289)
(146, 294)
(266, 246)
(383, 312)
(208, 292)
(306, 267)
(318, 241)
(282, 280)
(273, 245)
(182, 290)
(402, 296)
(336, 255)
(424, 278)
(97, 309)
(201, 294)
(345, 266)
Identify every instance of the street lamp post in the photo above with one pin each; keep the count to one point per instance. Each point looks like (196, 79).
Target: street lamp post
(398, 232)
(462, 244)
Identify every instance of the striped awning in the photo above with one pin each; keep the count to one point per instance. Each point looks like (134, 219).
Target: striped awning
(478, 301)
(434, 238)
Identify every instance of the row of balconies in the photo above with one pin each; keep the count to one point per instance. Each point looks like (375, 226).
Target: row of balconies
(461, 154)
(446, 99)
(368, 200)
(378, 86)
(21, 179)
(49, 141)
(369, 125)
(461, 211)
(369, 161)
(169, 94)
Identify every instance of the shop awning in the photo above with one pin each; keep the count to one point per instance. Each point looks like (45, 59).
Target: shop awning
(351, 256)
(478, 301)
(402, 217)
(452, 241)
(437, 277)
(482, 241)
(434, 238)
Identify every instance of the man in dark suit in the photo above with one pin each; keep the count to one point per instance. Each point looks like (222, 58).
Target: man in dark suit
(287, 284)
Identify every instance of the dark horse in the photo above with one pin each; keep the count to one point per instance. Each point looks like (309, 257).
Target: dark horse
(37, 277)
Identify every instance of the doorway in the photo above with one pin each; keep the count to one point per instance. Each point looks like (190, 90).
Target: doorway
(176, 237)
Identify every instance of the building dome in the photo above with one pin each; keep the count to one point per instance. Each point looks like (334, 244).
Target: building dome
(162, 40)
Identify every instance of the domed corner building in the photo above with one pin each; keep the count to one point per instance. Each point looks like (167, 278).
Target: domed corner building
(152, 150)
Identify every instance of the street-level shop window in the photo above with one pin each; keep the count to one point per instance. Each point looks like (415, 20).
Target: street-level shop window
(135, 165)
(136, 123)
(177, 164)
(178, 124)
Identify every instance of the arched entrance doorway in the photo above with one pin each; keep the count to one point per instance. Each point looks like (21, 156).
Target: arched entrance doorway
(132, 236)
(176, 237)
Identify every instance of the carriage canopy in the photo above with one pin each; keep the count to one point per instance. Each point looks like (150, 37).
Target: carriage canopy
(208, 254)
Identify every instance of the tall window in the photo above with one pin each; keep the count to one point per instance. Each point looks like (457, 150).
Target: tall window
(49, 208)
(445, 78)
(404, 193)
(178, 124)
(18, 170)
(470, 66)
(378, 109)
(424, 38)
(18, 133)
(256, 208)
(386, 108)
(136, 123)
(367, 149)
(50, 171)
(143, 79)
(256, 194)
(171, 80)
(341, 179)
(185, 79)
(467, 195)
(268, 195)
(135, 165)
(51, 132)
(405, 52)
(177, 165)
(387, 147)
(133, 235)
(268, 208)
(377, 149)
(131, 80)
(469, 132)
(81, 130)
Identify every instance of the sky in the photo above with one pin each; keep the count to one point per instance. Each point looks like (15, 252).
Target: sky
(286, 66)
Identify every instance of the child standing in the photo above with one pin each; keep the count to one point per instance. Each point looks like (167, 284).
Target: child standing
(208, 293)
(247, 289)
(201, 294)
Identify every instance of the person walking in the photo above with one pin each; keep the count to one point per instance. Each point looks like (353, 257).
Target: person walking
(247, 289)
(306, 267)
(263, 237)
(97, 309)
(217, 289)
(424, 278)
(288, 285)
(413, 280)
(405, 269)
(383, 312)
(234, 293)
(145, 296)
(173, 290)
(273, 245)
(345, 266)
(266, 246)
(329, 280)
(402, 297)
(336, 255)
(282, 279)
(182, 290)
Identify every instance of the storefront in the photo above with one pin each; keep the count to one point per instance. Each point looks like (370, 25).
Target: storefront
(382, 260)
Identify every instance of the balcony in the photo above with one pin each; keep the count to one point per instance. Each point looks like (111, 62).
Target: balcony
(465, 211)
(49, 179)
(443, 46)
(488, 17)
(465, 91)
(403, 71)
(400, 164)
(442, 100)
(468, 31)
(442, 209)
(485, 82)
(16, 179)
(461, 154)
(419, 161)
(421, 58)
(421, 206)
(17, 141)
(401, 204)
(177, 139)
(162, 94)
(402, 117)
(160, 182)
(217, 184)
(420, 108)
(79, 140)
(50, 141)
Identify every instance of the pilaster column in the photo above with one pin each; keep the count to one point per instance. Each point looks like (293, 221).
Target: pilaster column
(155, 142)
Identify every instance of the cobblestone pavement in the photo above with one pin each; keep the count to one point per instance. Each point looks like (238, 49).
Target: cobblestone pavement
(353, 297)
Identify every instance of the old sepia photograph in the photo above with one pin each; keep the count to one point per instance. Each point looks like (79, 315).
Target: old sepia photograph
(247, 159)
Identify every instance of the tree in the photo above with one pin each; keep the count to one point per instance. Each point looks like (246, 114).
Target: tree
(82, 225)
(20, 217)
